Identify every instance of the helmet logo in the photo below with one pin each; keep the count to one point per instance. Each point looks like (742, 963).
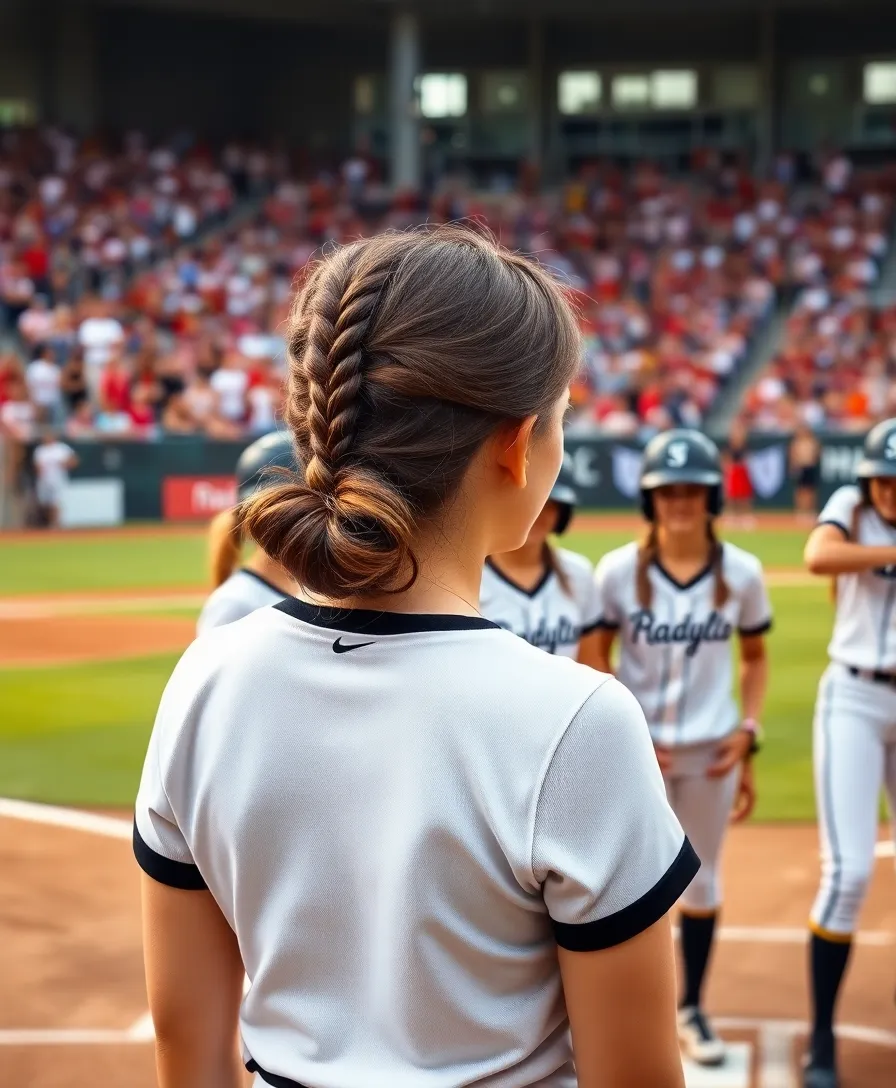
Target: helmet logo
(677, 454)
(890, 448)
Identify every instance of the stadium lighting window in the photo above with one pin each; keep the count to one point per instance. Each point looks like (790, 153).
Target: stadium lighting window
(579, 92)
(631, 91)
(673, 90)
(443, 94)
(880, 82)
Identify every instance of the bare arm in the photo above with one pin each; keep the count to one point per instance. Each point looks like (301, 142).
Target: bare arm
(753, 675)
(596, 649)
(621, 1004)
(829, 552)
(194, 980)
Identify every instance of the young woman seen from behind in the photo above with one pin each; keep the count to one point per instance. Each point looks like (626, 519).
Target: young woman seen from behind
(385, 809)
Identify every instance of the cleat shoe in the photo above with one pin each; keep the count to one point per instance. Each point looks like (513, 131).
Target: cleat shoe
(698, 1040)
(818, 1073)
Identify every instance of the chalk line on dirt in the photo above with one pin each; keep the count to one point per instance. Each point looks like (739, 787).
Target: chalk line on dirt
(116, 828)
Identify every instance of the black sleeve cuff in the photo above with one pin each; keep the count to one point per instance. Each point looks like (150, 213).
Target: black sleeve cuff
(590, 628)
(634, 919)
(604, 625)
(176, 874)
(759, 629)
(837, 525)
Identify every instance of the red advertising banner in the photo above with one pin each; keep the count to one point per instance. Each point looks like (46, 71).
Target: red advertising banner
(196, 498)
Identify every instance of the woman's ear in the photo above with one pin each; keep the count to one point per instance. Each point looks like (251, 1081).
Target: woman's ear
(512, 444)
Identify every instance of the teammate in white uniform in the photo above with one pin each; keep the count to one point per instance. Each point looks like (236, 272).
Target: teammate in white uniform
(388, 811)
(855, 721)
(261, 581)
(675, 602)
(544, 594)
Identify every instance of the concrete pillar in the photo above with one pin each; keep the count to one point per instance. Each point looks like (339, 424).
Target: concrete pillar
(404, 67)
(766, 135)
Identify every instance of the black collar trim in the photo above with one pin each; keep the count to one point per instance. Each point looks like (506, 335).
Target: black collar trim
(363, 621)
(264, 581)
(540, 584)
(691, 582)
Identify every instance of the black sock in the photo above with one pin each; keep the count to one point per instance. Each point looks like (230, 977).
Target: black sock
(696, 945)
(827, 964)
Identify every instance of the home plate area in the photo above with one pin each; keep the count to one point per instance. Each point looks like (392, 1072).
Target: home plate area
(737, 1072)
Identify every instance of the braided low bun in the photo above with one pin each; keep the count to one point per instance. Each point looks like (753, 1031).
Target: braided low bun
(406, 352)
(354, 541)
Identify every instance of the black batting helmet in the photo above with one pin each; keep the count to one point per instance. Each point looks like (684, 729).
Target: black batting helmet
(274, 450)
(681, 456)
(879, 453)
(563, 493)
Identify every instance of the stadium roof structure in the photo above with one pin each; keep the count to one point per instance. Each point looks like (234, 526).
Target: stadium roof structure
(362, 10)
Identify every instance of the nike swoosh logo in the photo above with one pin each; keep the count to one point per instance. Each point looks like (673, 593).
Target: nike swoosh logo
(340, 648)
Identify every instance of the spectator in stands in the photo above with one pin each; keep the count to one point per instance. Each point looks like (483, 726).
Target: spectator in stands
(73, 382)
(44, 381)
(805, 458)
(101, 335)
(36, 323)
(230, 382)
(18, 413)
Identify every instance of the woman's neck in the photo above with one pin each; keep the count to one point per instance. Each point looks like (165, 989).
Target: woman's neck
(682, 547)
(260, 563)
(529, 557)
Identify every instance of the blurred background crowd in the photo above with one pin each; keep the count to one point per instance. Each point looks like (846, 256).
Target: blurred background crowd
(143, 287)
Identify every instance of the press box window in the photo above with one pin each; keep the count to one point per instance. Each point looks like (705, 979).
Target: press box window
(631, 91)
(880, 82)
(673, 90)
(579, 92)
(443, 94)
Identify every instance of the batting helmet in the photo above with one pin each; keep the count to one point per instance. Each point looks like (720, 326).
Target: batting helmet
(681, 456)
(879, 453)
(563, 493)
(274, 450)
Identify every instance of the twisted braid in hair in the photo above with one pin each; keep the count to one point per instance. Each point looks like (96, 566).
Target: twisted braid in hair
(359, 525)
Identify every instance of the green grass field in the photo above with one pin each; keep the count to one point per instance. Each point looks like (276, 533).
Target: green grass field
(76, 734)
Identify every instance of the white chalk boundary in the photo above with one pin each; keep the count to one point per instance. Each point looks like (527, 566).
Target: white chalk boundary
(775, 1038)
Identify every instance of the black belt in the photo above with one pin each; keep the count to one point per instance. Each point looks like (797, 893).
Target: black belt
(271, 1078)
(874, 675)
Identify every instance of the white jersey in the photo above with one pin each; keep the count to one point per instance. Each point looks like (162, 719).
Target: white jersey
(242, 593)
(547, 616)
(865, 624)
(676, 656)
(401, 816)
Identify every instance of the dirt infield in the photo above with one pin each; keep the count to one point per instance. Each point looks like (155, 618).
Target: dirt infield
(36, 641)
(72, 1005)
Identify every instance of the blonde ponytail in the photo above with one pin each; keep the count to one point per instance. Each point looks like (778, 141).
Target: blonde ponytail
(225, 545)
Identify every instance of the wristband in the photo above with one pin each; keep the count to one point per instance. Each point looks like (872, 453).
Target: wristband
(751, 726)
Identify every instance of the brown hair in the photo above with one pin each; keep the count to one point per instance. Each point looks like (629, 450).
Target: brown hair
(406, 351)
(552, 563)
(648, 552)
(225, 545)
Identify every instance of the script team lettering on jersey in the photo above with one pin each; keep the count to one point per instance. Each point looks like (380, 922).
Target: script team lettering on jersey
(715, 628)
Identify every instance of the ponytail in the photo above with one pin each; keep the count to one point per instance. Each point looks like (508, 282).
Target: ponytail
(553, 565)
(225, 545)
(646, 555)
(722, 592)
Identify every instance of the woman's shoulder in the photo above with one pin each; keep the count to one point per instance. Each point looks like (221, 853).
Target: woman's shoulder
(739, 565)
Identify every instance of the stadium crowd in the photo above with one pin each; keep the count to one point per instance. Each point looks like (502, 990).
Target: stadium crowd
(133, 305)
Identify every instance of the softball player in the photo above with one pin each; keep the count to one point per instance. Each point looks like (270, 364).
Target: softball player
(262, 581)
(404, 824)
(675, 602)
(855, 721)
(545, 595)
